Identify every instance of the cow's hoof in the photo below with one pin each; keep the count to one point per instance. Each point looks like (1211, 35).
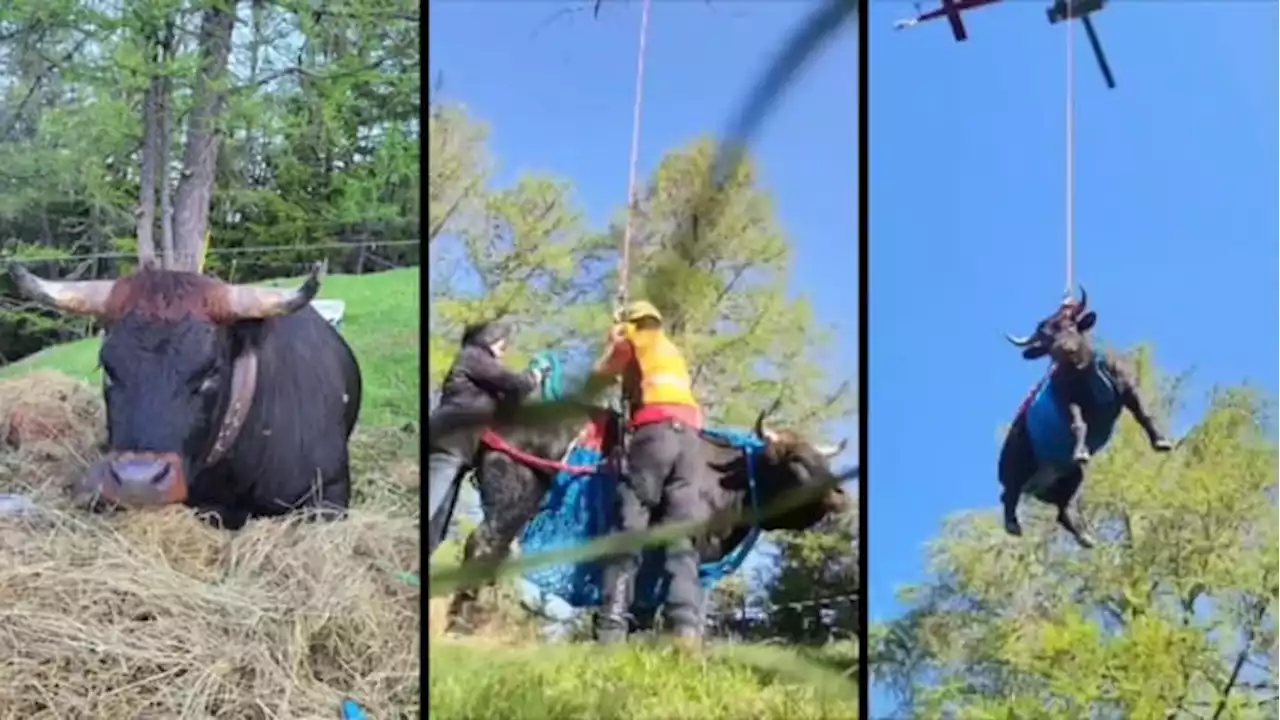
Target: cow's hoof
(1085, 540)
(1081, 457)
(1161, 445)
(1013, 527)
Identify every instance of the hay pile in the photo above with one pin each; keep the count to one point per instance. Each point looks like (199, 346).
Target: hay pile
(156, 615)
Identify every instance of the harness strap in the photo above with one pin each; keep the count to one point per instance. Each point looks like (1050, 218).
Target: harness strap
(244, 381)
(496, 442)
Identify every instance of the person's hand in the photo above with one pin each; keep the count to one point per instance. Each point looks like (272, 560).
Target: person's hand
(537, 375)
(617, 331)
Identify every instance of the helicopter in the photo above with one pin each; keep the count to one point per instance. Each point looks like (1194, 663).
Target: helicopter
(1059, 11)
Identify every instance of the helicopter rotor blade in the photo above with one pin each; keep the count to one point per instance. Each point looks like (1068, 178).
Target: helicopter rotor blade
(1098, 53)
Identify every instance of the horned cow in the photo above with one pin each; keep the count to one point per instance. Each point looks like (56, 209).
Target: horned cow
(232, 399)
(1070, 416)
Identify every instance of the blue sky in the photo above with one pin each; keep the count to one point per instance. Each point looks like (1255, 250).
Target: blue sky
(1176, 228)
(556, 88)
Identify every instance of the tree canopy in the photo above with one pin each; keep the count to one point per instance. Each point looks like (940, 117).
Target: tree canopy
(1173, 615)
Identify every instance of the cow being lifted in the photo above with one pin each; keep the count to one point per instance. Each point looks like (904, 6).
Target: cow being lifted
(511, 492)
(235, 400)
(1069, 417)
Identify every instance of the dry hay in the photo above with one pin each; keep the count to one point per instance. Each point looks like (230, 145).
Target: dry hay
(157, 615)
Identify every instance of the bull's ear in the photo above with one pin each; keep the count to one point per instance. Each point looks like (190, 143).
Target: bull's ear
(1034, 352)
(1087, 321)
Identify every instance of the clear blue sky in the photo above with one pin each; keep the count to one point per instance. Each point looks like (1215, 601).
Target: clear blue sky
(1176, 220)
(556, 89)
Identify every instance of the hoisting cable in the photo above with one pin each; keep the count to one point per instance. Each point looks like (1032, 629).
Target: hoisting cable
(624, 263)
(624, 266)
(1070, 159)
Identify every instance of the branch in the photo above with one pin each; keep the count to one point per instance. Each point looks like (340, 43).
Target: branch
(303, 72)
(1239, 663)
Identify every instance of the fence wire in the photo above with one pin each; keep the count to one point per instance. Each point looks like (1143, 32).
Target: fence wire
(247, 250)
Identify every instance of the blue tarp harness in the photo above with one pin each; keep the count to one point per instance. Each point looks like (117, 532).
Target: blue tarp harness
(580, 507)
(1049, 425)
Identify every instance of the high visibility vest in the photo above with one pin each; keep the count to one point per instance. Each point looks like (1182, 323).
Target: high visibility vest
(658, 374)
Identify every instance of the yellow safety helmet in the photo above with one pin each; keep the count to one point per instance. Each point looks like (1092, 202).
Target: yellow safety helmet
(639, 310)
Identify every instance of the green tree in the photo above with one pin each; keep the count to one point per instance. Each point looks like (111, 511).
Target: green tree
(722, 285)
(812, 593)
(149, 125)
(1172, 616)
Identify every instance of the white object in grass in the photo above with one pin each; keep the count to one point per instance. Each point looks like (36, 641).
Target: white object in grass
(331, 310)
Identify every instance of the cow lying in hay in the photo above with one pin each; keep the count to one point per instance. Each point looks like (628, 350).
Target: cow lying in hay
(1069, 416)
(235, 400)
(570, 502)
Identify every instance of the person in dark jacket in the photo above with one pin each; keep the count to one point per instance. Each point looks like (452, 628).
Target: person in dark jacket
(477, 384)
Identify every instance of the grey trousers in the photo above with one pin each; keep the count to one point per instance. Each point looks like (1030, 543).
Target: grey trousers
(660, 484)
(444, 480)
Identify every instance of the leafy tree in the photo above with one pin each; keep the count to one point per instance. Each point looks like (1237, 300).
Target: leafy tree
(812, 593)
(148, 126)
(1172, 616)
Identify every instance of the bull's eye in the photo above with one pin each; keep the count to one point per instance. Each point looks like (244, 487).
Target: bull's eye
(207, 385)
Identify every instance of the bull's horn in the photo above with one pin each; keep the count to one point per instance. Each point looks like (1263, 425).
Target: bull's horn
(830, 451)
(1020, 341)
(256, 303)
(78, 297)
(1084, 301)
(762, 431)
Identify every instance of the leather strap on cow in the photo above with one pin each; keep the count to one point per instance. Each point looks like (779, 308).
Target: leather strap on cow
(244, 380)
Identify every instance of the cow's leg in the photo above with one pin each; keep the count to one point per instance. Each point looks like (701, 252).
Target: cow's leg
(335, 496)
(1079, 433)
(510, 495)
(649, 461)
(682, 502)
(1133, 402)
(644, 619)
(1067, 499)
(1016, 467)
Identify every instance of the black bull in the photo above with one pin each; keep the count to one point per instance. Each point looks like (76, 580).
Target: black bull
(234, 400)
(511, 492)
(1056, 431)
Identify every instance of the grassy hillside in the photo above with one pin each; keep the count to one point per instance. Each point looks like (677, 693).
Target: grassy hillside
(478, 681)
(490, 677)
(381, 324)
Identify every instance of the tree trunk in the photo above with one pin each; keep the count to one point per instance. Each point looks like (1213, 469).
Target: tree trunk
(146, 212)
(164, 109)
(200, 157)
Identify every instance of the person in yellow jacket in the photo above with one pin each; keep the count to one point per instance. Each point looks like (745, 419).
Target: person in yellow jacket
(662, 467)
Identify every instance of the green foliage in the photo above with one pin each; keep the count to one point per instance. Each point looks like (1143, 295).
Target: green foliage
(527, 253)
(319, 136)
(1173, 615)
(474, 681)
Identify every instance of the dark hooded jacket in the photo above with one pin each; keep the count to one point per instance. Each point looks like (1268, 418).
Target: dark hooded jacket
(477, 384)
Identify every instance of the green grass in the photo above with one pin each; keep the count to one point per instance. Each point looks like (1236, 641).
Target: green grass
(381, 325)
(472, 680)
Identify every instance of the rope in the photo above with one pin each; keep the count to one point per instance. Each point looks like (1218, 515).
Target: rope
(1070, 124)
(624, 267)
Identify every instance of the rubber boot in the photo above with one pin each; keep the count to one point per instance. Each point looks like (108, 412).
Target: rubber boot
(687, 638)
(613, 618)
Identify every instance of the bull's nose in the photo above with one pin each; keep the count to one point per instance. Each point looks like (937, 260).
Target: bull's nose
(139, 472)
